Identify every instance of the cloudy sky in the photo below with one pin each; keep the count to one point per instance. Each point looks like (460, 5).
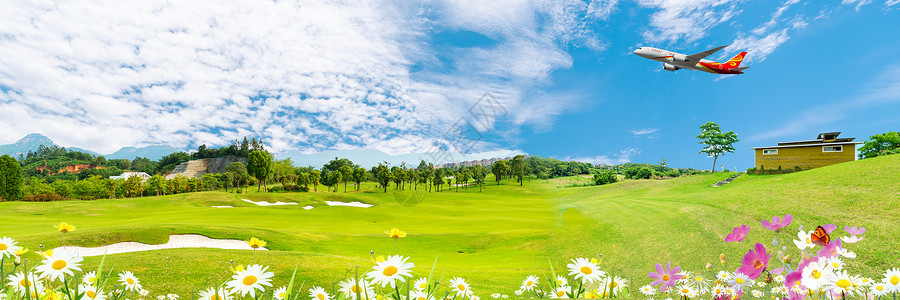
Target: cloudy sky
(550, 78)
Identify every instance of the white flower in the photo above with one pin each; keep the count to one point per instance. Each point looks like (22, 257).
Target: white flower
(817, 274)
(8, 247)
(130, 282)
(779, 278)
(22, 283)
(892, 279)
(172, 297)
(247, 281)
(529, 283)
(843, 284)
(89, 278)
(718, 290)
(880, 289)
(461, 287)
(318, 293)
(91, 292)
(59, 264)
(390, 270)
(740, 281)
(585, 270)
(851, 239)
(756, 294)
(686, 291)
(495, 295)
(419, 295)
(143, 293)
(648, 290)
(518, 292)
(561, 280)
(805, 240)
(280, 293)
(351, 288)
(614, 284)
(212, 294)
(846, 253)
(559, 293)
(475, 298)
(421, 284)
(700, 283)
(723, 276)
(504, 296)
(836, 263)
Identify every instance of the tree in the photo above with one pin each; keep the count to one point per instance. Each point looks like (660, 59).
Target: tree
(240, 174)
(383, 175)
(478, 175)
(880, 144)
(315, 177)
(397, 176)
(157, 184)
(438, 179)
(518, 168)
(303, 179)
(259, 165)
(604, 177)
(499, 168)
(283, 171)
(717, 143)
(11, 181)
(359, 174)
(133, 186)
(346, 174)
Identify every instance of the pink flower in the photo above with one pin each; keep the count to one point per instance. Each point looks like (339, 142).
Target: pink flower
(829, 228)
(794, 277)
(854, 230)
(665, 277)
(778, 223)
(754, 262)
(738, 234)
(830, 249)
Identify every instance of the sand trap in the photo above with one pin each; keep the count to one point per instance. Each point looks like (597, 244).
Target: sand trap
(222, 206)
(308, 207)
(175, 241)
(264, 203)
(354, 204)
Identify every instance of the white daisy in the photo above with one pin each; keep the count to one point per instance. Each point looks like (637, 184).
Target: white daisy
(880, 289)
(495, 295)
(817, 274)
(561, 281)
(740, 281)
(846, 253)
(421, 284)
(718, 290)
(686, 277)
(779, 278)
(504, 296)
(91, 292)
(318, 293)
(421, 295)
(21, 283)
(59, 264)
(701, 283)
(143, 293)
(213, 294)
(723, 276)
(614, 284)
(390, 270)
(756, 294)
(585, 270)
(280, 293)
(892, 279)
(8, 247)
(804, 241)
(559, 293)
(529, 283)
(130, 282)
(475, 298)
(172, 296)
(836, 263)
(730, 291)
(461, 287)
(350, 288)
(518, 292)
(686, 291)
(247, 281)
(851, 239)
(648, 290)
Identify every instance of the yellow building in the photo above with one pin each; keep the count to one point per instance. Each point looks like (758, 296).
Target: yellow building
(826, 149)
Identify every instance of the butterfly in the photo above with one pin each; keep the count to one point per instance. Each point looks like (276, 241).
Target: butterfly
(820, 236)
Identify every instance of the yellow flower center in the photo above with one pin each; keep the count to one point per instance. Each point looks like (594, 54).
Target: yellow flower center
(59, 265)
(423, 285)
(698, 278)
(529, 283)
(739, 280)
(92, 279)
(91, 294)
(586, 270)
(879, 287)
(282, 295)
(757, 264)
(3, 247)
(215, 297)
(421, 298)
(249, 279)
(131, 281)
(834, 265)
(843, 283)
(613, 285)
(560, 293)
(684, 291)
(389, 271)
(816, 274)
(665, 277)
(895, 280)
(355, 289)
(461, 287)
(25, 283)
(320, 296)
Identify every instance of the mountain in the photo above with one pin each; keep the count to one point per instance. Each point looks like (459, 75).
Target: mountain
(368, 158)
(32, 141)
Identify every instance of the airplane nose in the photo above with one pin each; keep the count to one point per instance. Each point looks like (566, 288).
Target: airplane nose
(636, 50)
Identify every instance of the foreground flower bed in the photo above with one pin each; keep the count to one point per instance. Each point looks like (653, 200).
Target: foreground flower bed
(762, 273)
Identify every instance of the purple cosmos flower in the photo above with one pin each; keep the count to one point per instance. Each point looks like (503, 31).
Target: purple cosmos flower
(665, 277)
(738, 234)
(830, 250)
(754, 262)
(829, 228)
(778, 223)
(854, 230)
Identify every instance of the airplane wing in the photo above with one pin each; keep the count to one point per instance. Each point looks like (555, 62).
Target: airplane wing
(697, 57)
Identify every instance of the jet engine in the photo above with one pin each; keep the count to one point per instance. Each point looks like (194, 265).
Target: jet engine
(679, 58)
(670, 67)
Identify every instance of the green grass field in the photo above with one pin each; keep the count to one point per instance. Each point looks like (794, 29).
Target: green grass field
(492, 238)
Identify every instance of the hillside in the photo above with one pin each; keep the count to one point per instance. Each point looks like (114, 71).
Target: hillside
(33, 141)
(196, 168)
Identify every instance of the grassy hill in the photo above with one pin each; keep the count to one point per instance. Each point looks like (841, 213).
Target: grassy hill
(494, 238)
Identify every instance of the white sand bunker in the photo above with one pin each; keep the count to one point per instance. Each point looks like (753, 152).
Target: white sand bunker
(308, 207)
(264, 203)
(354, 204)
(175, 241)
(223, 206)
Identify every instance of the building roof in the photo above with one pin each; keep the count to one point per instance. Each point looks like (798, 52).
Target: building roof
(823, 139)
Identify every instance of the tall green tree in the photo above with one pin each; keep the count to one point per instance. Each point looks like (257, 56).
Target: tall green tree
(499, 168)
(716, 142)
(383, 175)
(359, 175)
(478, 174)
(346, 175)
(11, 180)
(880, 144)
(517, 166)
(260, 165)
(239, 173)
(315, 177)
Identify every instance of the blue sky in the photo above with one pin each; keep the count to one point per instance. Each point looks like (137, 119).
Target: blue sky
(399, 76)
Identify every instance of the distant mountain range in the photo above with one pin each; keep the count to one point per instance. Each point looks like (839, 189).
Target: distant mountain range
(366, 158)
(32, 141)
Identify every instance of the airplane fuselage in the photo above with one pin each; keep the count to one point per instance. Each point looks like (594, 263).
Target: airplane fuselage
(674, 61)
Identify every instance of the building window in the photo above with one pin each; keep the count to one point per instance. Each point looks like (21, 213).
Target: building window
(832, 149)
(770, 151)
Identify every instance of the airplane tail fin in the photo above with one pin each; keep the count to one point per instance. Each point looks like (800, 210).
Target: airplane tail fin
(735, 61)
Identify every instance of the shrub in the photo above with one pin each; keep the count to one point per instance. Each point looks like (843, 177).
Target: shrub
(643, 173)
(604, 177)
(43, 198)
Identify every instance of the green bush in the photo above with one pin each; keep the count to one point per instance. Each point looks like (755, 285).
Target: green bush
(643, 173)
(604, 177)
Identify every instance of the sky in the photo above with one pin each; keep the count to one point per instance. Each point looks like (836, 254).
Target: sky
(549, 78)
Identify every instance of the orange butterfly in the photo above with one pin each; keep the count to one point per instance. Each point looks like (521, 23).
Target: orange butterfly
(820, 236)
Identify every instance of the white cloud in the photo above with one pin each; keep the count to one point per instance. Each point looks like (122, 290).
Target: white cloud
(624, 156)
(686, 20)
(889, 3)
(300, 75)
(858, 3)
(644, 131)
(764, 39)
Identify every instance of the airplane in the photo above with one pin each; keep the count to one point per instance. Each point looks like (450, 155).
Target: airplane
(675, 61)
